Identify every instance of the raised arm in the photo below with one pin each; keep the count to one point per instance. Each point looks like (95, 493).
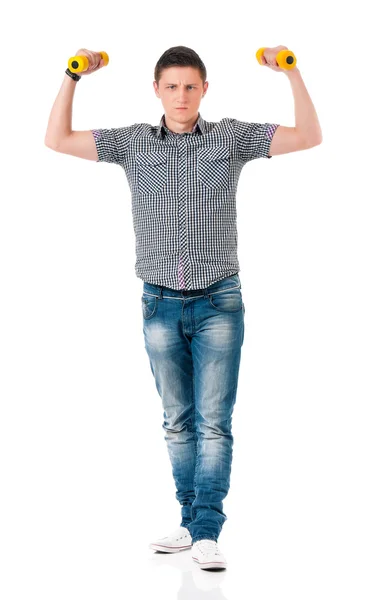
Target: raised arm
(59, 135)
(307, 132)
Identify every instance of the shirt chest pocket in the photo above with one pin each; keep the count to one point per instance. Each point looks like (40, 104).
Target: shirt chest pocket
(152, 172)
(213, 168)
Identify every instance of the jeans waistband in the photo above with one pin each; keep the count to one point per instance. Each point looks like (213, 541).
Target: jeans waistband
(233, 281)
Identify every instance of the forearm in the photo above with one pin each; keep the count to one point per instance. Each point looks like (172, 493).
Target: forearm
(306, 119)
(60, 120)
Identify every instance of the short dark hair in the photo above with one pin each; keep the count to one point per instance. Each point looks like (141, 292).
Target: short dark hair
(179, 56)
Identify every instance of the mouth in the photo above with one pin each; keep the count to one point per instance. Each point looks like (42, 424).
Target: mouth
(181, 108)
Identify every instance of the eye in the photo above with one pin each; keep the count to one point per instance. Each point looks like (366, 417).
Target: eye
(171, 86)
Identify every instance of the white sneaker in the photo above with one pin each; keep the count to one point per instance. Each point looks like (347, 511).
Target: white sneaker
(207, 555)
(179, 540)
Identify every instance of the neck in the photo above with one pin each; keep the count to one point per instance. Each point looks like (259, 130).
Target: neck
(177, 127)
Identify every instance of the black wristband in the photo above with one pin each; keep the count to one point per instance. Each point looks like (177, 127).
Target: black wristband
(74, 76)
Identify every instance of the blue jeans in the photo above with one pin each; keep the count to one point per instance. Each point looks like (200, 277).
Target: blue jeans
(193, 340)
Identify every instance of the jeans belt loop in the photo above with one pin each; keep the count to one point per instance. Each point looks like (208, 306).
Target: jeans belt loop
(205, 293)
(161, 288)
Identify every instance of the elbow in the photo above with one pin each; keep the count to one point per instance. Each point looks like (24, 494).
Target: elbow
(314, 142)
(48, 143)
(317, 139)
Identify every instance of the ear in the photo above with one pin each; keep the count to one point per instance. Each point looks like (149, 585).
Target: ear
(156, 89)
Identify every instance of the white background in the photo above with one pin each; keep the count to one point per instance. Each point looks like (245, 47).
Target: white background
(85, 477)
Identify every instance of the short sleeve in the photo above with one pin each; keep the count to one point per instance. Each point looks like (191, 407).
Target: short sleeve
(253, 140)
(112, 144)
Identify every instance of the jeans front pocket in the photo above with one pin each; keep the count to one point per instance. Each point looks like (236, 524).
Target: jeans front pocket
(149, 306)
(213, 170)
(227, 301)
(152, 172)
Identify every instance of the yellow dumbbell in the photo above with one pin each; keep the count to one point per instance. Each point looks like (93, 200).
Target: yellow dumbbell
(285, 58)
(76, 64)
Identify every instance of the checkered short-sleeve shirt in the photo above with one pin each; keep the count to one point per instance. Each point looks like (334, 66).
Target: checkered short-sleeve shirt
(183, 188)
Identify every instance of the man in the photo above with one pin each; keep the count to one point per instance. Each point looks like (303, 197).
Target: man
(183, 176)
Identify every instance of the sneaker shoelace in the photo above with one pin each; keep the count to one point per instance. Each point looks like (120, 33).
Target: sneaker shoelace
(208, 546)
(178, 535)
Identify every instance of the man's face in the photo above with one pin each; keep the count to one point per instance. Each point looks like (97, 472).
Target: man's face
(180, 86)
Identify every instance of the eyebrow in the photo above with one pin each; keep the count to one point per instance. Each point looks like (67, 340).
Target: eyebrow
(177, 84)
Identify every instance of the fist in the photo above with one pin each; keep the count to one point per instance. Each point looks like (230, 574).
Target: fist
(95, 60)
(268, 58)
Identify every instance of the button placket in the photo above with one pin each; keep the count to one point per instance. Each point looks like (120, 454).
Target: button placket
(184, 266)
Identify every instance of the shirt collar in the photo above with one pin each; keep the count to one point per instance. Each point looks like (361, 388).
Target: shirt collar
(198, 126)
